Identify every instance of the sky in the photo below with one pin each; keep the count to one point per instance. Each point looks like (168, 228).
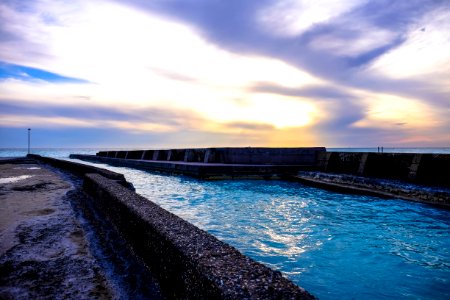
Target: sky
(211, 73)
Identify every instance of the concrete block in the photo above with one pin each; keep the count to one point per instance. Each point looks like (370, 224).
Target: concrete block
(434, 169)
(389, 165)
(344, 162)
(148, 155)
(188, 262)
(135, 154)
(195, 155)
(176, 154)
(121, 154)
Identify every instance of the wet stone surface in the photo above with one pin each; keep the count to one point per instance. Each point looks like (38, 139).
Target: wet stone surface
(384, 187)
(43, 250)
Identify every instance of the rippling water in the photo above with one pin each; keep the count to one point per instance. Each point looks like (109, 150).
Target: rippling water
(336, 246)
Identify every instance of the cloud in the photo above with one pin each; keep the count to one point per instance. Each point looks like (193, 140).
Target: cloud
(288, 18)
(426, 43)
(325, 91)
(250, 126)
(271, 71)
(19, 114)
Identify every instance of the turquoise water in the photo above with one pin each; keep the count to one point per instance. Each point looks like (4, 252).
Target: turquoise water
(336, 246)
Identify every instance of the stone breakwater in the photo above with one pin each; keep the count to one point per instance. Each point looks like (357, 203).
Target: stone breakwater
(376, 187)
(417, 177)
(425, 169)
(215, 163)
(188, 262)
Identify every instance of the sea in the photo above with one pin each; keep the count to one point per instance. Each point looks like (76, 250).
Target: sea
(65, 152)
(336, 246)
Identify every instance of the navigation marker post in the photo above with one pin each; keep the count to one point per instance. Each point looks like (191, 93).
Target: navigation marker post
(29, 134)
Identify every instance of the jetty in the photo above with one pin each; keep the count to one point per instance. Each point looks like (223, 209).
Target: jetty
(73, 230)
(409, 176)
(83, 233)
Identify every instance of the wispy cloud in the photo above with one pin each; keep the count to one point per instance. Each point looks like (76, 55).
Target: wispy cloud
(267, 72)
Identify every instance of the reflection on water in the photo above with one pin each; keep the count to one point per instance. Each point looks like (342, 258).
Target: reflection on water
(336, 246)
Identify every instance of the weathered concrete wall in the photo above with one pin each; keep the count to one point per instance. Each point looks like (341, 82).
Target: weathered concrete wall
(176, 154)
(433, 169)
(419, 168)
(376, 187)
(148, 154)
(257, 156)
(249, 155)
(195, 155)
(189, 263)
(201, 170)
(82, 169)
(137, 154)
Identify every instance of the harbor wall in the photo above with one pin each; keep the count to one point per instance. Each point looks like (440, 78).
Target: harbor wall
(211, 171)
(248, 155)
(82, 169)
(188, 262)
(428, 169)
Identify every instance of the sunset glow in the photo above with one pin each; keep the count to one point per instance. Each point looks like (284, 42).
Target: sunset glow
(263, 73)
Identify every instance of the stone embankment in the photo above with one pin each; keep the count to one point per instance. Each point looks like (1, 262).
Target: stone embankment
(376, 187)
(187, 262)
(44, 252)
(215, 163)
(425, 169)
(417, 177)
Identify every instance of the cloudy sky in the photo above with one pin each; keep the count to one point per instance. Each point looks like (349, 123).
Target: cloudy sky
(187, 73)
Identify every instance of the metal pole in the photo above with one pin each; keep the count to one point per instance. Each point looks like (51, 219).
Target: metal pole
(29, 129)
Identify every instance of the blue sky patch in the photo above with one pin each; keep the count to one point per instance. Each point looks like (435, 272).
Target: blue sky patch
(30, 74)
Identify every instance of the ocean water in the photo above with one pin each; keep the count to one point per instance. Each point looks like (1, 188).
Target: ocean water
(336, 246)
(51, 152)
(65, 152)
(437, 150)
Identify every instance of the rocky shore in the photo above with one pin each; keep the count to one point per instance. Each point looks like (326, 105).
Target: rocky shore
(439, 196)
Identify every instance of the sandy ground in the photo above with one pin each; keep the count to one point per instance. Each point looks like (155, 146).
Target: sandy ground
(43, 249)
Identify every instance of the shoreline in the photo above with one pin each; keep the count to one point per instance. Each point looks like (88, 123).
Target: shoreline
(44, 250)
(49, 249)
(186, 261)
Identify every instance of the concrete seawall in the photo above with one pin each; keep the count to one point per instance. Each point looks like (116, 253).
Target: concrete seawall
(215, 163)
(416, 177)
(82, 169)
(188, 262)
(427, 169)
(248, 156)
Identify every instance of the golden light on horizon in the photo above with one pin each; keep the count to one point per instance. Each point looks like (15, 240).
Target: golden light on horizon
(271, 83)
(385, 111)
